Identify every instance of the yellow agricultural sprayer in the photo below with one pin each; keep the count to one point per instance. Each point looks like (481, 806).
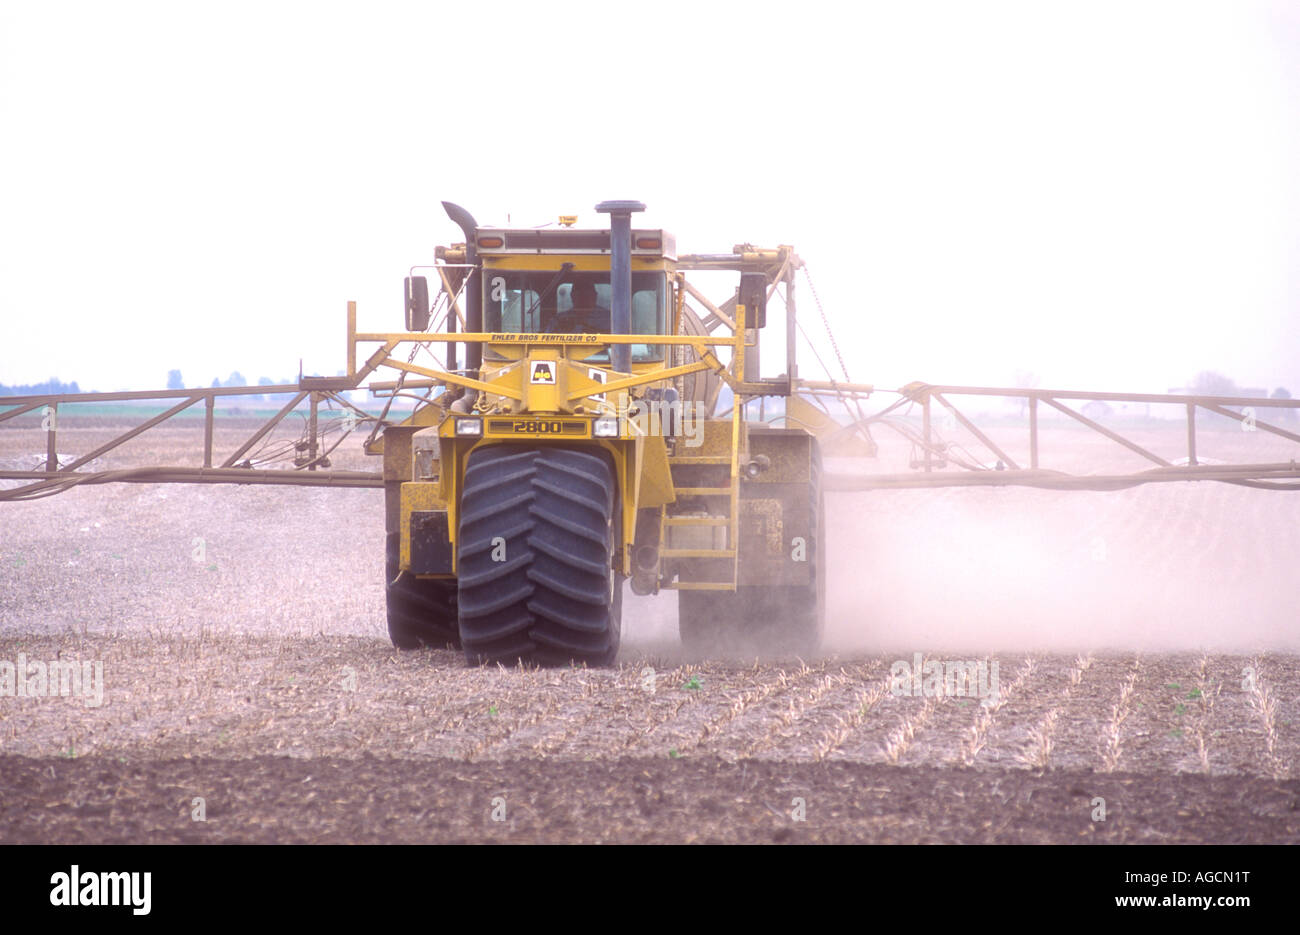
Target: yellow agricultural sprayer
(584, 416)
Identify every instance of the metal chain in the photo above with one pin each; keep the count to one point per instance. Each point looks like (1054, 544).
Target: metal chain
(848, 400)
(825, 321)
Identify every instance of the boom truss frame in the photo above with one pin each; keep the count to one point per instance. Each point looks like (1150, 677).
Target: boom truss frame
(805, 404)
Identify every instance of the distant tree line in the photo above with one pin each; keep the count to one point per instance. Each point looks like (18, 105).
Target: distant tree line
(237, 379)
(49, 387)
(1212, 383)
(176, 381)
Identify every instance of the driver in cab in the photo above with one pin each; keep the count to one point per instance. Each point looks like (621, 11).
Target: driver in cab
(586, 315)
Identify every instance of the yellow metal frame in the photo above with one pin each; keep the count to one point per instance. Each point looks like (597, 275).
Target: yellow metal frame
(643, 468)
(732, 550)
(632, 456)
(504, 387)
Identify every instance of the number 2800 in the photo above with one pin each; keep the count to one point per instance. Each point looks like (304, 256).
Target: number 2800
(536, 427)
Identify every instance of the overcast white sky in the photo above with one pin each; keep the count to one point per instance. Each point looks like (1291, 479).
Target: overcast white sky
(1104, 194)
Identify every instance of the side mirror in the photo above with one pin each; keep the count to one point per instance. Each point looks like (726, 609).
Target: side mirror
(753, 295)
(417, 303)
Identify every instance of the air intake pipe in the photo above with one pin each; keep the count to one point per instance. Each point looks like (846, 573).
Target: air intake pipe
(620, 277)
(474, 291)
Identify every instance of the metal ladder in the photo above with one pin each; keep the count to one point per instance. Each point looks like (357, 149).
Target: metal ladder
(731, 521)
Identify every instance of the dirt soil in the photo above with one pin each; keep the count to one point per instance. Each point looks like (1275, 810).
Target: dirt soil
(1146, 643)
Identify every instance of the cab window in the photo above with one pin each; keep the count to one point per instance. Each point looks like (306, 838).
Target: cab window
(518, 302)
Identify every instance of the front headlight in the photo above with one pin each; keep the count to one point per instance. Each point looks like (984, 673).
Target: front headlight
(605, 427)
(471, 427)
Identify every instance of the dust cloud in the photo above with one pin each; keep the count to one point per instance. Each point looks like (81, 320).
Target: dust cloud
(1179, 567)
(1167, 567)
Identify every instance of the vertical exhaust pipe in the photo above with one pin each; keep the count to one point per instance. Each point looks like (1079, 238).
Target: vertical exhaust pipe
(474, 293)
(620, 276)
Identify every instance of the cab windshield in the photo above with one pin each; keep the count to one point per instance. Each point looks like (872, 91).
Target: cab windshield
(517, 301)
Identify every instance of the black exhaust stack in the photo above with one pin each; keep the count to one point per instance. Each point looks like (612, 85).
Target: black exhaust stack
(620, 277)
(474, 292)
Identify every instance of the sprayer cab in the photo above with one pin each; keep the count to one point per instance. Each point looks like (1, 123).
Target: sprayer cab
(559, 281)
(579, 282)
